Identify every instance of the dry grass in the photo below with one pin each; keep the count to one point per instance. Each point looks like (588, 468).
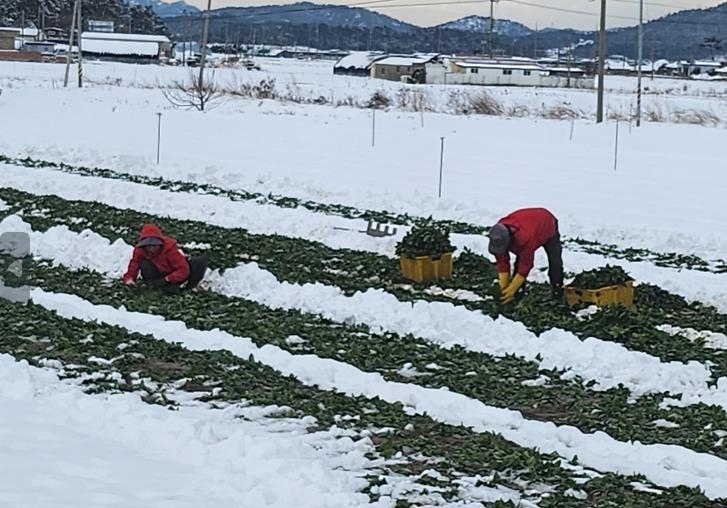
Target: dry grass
(379, 100)
(561, 112)
(655, 114)
(482, 103)
(349, 101)
(408, 99)
(265, 89)
(521, 111)
(618, 116)
(695, 117)
(476, 101)
(479, 103)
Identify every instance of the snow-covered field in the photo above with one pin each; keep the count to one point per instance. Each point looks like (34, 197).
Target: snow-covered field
(306, 370)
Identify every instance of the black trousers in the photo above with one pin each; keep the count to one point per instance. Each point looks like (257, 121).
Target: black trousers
(554, 250)
(153, 277)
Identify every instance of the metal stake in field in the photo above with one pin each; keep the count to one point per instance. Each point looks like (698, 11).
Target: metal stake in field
(615, 151)
(80, 44)
(572, 124)
(373, 127)
(441, 165)
(639, 58)
(159, 135)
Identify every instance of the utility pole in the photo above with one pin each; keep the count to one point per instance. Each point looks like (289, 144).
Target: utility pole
(639, 58)
(238, 46)
(601, 62)
(80, 44)
(535, 43)
(41, 14)
(202, 50)
(492, 24)
(190, 36)
(570, 54)
(70, 42)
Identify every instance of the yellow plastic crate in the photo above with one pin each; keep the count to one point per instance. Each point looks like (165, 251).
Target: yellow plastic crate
(426, 268)
(619, 294)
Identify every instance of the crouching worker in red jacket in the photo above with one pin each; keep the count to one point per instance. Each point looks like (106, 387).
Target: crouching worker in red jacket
(162, 265)
(522, 233)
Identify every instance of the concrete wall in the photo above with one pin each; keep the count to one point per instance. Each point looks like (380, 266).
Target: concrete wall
(19, 56)
(565, 82)
(488, 76)
(390, 72)
(7, 39)
(440, 75)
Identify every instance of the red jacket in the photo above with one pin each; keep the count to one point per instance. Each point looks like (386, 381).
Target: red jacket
(530, 229)
(170, 261)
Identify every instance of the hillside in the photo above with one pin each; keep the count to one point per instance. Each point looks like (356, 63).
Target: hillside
(166, 10)
(678, 35)
(481, 24)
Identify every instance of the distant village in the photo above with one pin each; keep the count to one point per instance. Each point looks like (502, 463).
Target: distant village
(101, 42)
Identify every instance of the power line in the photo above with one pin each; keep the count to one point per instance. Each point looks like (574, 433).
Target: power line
(262, 12)
(648, 4)
(370, 3)
(656, 4)
(427, 4)
(614, 16)
(563, 9)
(380, 4)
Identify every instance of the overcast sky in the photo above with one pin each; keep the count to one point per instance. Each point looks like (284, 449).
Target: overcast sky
(579, 14)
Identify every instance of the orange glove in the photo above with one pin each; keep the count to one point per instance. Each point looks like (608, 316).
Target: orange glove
(509, 292)
(504, 279)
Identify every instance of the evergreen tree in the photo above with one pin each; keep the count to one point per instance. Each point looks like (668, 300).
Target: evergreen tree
(59, 13)
(9, 10)
(145, 20)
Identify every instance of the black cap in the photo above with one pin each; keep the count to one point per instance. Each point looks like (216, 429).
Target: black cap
(499, 237)
(150, 240)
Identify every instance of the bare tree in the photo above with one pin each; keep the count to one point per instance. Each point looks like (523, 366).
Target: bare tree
(191, 93)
